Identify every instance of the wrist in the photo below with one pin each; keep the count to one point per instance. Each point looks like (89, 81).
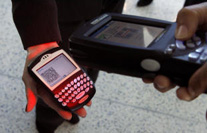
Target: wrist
(33, 51)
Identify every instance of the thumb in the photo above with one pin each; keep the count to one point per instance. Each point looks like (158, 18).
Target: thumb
(187, 24)
(31, 100)
(190, 19)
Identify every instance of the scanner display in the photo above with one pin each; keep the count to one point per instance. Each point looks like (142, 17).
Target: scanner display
(128, 33)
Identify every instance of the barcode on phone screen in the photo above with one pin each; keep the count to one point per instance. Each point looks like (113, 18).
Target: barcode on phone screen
(50, 75)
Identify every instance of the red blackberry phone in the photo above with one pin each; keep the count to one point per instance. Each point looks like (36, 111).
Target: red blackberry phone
(63, 78)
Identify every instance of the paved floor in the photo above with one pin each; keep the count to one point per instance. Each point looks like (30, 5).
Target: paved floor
(122, 104)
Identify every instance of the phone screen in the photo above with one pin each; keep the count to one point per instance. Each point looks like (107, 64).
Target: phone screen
(56, 70)
(128, 33)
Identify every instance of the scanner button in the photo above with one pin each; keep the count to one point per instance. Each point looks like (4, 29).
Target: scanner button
(180, 45)
(196, 38)
(203, 58)
(199, 50)
(169, 51)
(198, 43)
(150, 65)
(190, 45)
(193, 56)
(205, 52)
(172, 46)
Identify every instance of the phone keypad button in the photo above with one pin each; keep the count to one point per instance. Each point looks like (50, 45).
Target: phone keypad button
(75, 90)
(78, 78)
(78, 90)
(72, 82)
(60, 99)
(67, 100)
(81, 87)
(64, 104)
(74, 100)
(56, 96)
(81, 76)
(69, 85)
(83, 99)
(72, 89)
(78, 84)
(63, 97)
(91, 82)
(87, 89)
(80, 95)
(70, 98)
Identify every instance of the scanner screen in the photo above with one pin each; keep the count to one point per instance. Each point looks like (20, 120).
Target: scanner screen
(128, 33)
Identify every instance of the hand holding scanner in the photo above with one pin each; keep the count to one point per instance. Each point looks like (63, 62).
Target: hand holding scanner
(63, 78)
(137, 46)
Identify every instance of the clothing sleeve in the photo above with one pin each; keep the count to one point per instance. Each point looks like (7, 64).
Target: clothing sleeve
(36, 21)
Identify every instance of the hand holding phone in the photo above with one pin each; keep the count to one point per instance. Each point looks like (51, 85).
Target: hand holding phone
(34, 91)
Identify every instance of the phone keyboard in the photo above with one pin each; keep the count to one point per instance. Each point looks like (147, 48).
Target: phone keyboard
(75, 91)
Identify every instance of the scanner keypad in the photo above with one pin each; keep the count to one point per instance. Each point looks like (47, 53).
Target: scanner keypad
(75, 90)
(199, 54)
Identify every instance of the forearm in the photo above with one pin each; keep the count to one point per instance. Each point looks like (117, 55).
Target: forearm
(36, 21)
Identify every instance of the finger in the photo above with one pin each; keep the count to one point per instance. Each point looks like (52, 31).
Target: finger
(81, 112)
(147, 80)
(31, 100)
(89, 103)
(188, 20)
(197, 83)
(162, 83)
(183, 94)
(31, 93)
(65, 114)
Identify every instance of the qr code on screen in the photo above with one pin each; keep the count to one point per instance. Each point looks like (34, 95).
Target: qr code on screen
(126, 33)
(50, 75)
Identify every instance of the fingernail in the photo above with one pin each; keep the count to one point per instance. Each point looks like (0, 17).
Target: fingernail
(66, 115)
(160, 86)
(181, 32)
(187, 98)
(192, 92)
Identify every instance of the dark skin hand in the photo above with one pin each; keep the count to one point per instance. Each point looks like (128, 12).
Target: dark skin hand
(189, 20)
